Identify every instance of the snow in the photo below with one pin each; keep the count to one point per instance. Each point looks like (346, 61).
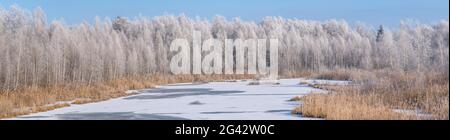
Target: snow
(131, 91)
(325, 82)
(236, 100)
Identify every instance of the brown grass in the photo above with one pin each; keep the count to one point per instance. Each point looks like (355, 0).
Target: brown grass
(292, 74)
(379, 93)
(339, 74)
(37, 99)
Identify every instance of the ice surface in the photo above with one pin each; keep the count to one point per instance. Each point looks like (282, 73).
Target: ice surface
(236, 100)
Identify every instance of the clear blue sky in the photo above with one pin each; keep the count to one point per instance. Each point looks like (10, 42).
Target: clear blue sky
(373, 12)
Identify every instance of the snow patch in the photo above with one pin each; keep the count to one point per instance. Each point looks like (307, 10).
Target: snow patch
(131, 91)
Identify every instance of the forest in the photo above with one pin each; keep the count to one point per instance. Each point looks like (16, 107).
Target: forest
(35, 52)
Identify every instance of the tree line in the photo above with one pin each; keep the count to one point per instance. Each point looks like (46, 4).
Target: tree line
(35, 52)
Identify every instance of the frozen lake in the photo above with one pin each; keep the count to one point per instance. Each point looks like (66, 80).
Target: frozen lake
(204, 101)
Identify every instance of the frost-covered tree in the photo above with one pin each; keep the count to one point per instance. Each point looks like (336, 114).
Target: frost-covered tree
(35, 52)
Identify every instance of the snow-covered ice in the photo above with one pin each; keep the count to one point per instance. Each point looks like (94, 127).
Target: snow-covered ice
(198, 101)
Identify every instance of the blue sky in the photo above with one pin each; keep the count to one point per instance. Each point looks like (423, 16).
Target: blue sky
(372, 12)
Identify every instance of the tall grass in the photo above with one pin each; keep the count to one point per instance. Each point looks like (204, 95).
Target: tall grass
(383, 95)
